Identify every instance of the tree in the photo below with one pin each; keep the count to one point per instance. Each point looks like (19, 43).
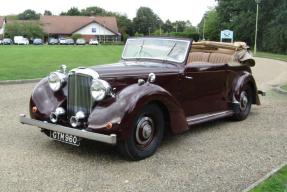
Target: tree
(274, 37)
(212, 26)
(146, 21)
(180, 26)
(94, 11)
(76, 36)
(239, 16)
(74, 11)
(48, 13)
(125, 26)
(29, 15)
(26, 29)
(167, 27)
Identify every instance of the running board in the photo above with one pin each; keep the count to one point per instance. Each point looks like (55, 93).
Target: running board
(197, 119)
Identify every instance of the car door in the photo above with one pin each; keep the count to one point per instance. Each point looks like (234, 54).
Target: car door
(203, 88)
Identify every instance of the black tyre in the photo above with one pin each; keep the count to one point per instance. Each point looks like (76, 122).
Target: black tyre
(245, 102)
(147, 133)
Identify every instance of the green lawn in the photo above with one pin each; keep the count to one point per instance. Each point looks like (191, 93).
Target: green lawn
(284, 87)
(271, 56)
(276, 183)
(28, 62)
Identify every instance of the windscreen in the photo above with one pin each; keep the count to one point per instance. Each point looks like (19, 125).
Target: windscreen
(158, 49)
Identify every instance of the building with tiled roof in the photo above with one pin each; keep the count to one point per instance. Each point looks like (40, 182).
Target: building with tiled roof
(102, 28)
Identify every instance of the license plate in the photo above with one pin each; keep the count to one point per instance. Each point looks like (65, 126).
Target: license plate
(65, 138)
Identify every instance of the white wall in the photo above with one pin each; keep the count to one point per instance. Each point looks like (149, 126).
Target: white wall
(99, 30)
(2, 29)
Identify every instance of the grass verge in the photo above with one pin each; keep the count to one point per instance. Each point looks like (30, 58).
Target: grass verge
(29, 62)
(272, 56)
(276, 183)
(284, 87)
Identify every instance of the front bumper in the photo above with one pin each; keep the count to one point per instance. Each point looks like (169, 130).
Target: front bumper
(110, 139)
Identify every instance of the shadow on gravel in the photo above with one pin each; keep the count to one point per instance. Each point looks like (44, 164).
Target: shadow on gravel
(95, 150)
(204, 127)
(88, 150)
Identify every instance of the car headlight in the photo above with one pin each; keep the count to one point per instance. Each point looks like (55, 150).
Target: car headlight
(100, 89)
(56, 80)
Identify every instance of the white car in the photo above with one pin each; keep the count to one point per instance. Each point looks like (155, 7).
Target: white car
(25, 41)
(93, 42)
(0, 41)
(19, 40)
(62, 41)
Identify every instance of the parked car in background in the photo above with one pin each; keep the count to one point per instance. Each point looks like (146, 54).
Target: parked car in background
(93, 42)
(53, 41)
(20, 40)
(160, 85)
(62, 41)
(81, 41)
(7, 41)
(37, 42)
(70, 41)
(1, 41)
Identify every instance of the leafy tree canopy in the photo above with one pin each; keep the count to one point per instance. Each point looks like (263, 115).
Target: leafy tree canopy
(48, 13)
(146, 21)
(240, 16)
(29, 15)
(26, 29)
(74, 11)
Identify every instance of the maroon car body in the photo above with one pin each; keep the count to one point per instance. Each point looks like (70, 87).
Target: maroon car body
(186, 93)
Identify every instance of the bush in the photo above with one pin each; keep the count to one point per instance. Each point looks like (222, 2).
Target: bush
(76, 36)
(27, 29)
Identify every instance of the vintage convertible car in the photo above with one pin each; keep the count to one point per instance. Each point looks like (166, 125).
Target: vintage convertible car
(160, 85)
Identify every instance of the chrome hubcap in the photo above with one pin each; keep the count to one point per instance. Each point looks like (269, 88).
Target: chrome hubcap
(243, 101)
(144, 130)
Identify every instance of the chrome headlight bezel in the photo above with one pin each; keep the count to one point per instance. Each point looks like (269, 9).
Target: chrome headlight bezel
(99, 89)
(56, 80)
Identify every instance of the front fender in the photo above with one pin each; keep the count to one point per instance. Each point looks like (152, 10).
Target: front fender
(45, 100)
(128, 103)
(241, 82)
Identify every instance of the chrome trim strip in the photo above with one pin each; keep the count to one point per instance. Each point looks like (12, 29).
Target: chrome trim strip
(85, 71)
(208, 117)
(110, 139)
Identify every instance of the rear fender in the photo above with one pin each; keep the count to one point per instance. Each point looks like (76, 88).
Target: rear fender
(129, 102)
(246, 79)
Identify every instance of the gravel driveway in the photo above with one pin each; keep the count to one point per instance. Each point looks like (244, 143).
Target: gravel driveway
(217, 156)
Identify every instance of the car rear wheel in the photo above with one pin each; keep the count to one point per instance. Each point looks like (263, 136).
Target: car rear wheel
(147, 133)
(245, 102)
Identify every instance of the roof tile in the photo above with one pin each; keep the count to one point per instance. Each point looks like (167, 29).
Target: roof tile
(70, 24)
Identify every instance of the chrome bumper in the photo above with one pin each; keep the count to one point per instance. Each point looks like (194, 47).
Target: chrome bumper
(110, 139)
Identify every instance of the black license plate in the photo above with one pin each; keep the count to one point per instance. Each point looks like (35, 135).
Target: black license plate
(65, 138)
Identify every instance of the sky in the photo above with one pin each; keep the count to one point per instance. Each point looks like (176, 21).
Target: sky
(192, 10)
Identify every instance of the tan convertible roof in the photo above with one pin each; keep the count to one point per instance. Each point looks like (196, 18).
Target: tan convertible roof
(237, 46)
(239, 50)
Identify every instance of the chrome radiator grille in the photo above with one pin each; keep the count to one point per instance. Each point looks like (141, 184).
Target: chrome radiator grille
(79, 97)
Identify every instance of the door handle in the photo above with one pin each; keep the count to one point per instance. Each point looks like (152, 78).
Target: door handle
(188, 77)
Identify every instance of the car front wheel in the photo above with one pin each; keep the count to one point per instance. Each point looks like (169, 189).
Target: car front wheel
(146, 135)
